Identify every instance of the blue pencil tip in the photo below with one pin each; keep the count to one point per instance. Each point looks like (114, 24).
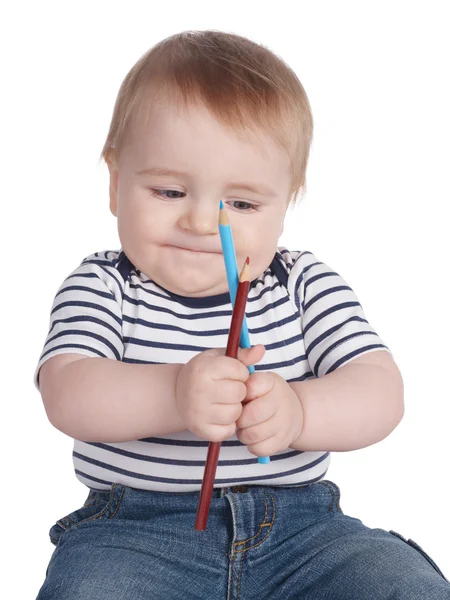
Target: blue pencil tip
(221, 205)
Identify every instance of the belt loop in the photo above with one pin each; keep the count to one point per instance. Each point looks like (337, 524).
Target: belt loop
(239, 489)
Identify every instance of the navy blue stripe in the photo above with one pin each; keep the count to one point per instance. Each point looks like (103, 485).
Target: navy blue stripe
(297, 293)
(95, 276)
(327, 312)
(165, 327)
(305, 271)
(83, 318)
(99, 262)
(83, 275)
(136, 361)
(72, 346)
(175, 313)
(324, 293)
(82, 288)
(280, 364)
(188, 443)
(274, 325)
(338, 343)
(111, 273)
(183, 463)
(352, 355)
(285, 343)
(203, 315)
(151, 325)
(286, 259)
(194, 332)
(330, 331)
(258, 367)
(265, 290)
(164, 345)
(98, 307)
(132, 341)
(88, 334)
(225, 482)
(267, 307)
(307, 375)
(110, 483)
(314, 278)
(300, 279)
(92, 478)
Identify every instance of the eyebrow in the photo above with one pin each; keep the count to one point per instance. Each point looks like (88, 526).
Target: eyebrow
(256, 188)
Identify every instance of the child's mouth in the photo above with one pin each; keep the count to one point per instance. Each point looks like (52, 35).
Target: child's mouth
(195, 250)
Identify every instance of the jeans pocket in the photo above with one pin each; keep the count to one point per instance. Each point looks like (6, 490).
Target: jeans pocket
(97, 506)
(419, 549)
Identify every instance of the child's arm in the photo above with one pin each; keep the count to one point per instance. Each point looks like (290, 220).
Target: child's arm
(353, 407)
(104, 400)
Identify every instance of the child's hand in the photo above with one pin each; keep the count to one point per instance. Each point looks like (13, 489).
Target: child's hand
(272, 419)
(210, 388)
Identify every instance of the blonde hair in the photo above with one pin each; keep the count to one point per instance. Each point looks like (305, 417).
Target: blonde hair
(244, 85)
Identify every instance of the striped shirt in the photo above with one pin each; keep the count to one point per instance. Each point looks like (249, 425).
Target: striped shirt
(305, 314)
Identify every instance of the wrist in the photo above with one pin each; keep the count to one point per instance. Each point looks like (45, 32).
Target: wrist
(297, 419)
(179, 395)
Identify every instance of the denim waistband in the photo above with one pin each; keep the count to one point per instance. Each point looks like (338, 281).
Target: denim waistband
(218, 492)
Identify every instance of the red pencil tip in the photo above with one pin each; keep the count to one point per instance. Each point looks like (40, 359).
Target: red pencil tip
(247, 262)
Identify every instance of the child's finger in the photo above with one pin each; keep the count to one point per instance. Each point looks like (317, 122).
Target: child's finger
(251, 356)
(259, 384)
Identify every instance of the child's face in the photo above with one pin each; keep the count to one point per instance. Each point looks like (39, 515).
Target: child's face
(173, 238)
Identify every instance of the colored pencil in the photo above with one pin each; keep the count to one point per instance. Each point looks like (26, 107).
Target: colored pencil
(229, 254)
(232, 350)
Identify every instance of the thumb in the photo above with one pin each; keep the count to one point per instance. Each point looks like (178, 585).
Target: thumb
(251, 356)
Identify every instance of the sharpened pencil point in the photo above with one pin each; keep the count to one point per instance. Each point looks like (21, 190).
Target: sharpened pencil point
(223, 217)
(245, 273)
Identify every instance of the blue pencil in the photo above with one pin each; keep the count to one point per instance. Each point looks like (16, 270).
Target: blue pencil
(229, 254)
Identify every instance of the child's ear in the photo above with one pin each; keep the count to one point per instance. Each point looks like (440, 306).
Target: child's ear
(113, 181)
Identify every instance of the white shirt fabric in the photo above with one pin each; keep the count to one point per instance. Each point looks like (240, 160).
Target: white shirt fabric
(305, 314)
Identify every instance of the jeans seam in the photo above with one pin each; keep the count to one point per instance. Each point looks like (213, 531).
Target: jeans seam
(335, 495)
(262, 525)
(239, 580)
(119, 502)
(96, 516)
(412, 544)
(269, 525)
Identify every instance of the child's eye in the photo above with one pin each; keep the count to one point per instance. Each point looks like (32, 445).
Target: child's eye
(162, 194)
(243, 206)
(172, 195)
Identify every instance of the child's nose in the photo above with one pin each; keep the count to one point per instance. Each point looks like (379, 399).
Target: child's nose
(201, 218)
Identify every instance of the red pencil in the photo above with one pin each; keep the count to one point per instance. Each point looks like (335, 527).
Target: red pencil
(232, 350)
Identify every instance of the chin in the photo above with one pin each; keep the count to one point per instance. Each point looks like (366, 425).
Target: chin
(191, 290)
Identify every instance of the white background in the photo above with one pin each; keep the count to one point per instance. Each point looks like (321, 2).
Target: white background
(376, 210)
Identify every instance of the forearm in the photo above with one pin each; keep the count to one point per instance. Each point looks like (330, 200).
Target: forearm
(104, 400)
(350, 408)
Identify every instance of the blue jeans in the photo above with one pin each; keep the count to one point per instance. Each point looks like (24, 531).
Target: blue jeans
(260, 542)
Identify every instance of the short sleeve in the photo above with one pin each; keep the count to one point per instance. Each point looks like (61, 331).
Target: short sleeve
(334, 326)
(86, 315)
